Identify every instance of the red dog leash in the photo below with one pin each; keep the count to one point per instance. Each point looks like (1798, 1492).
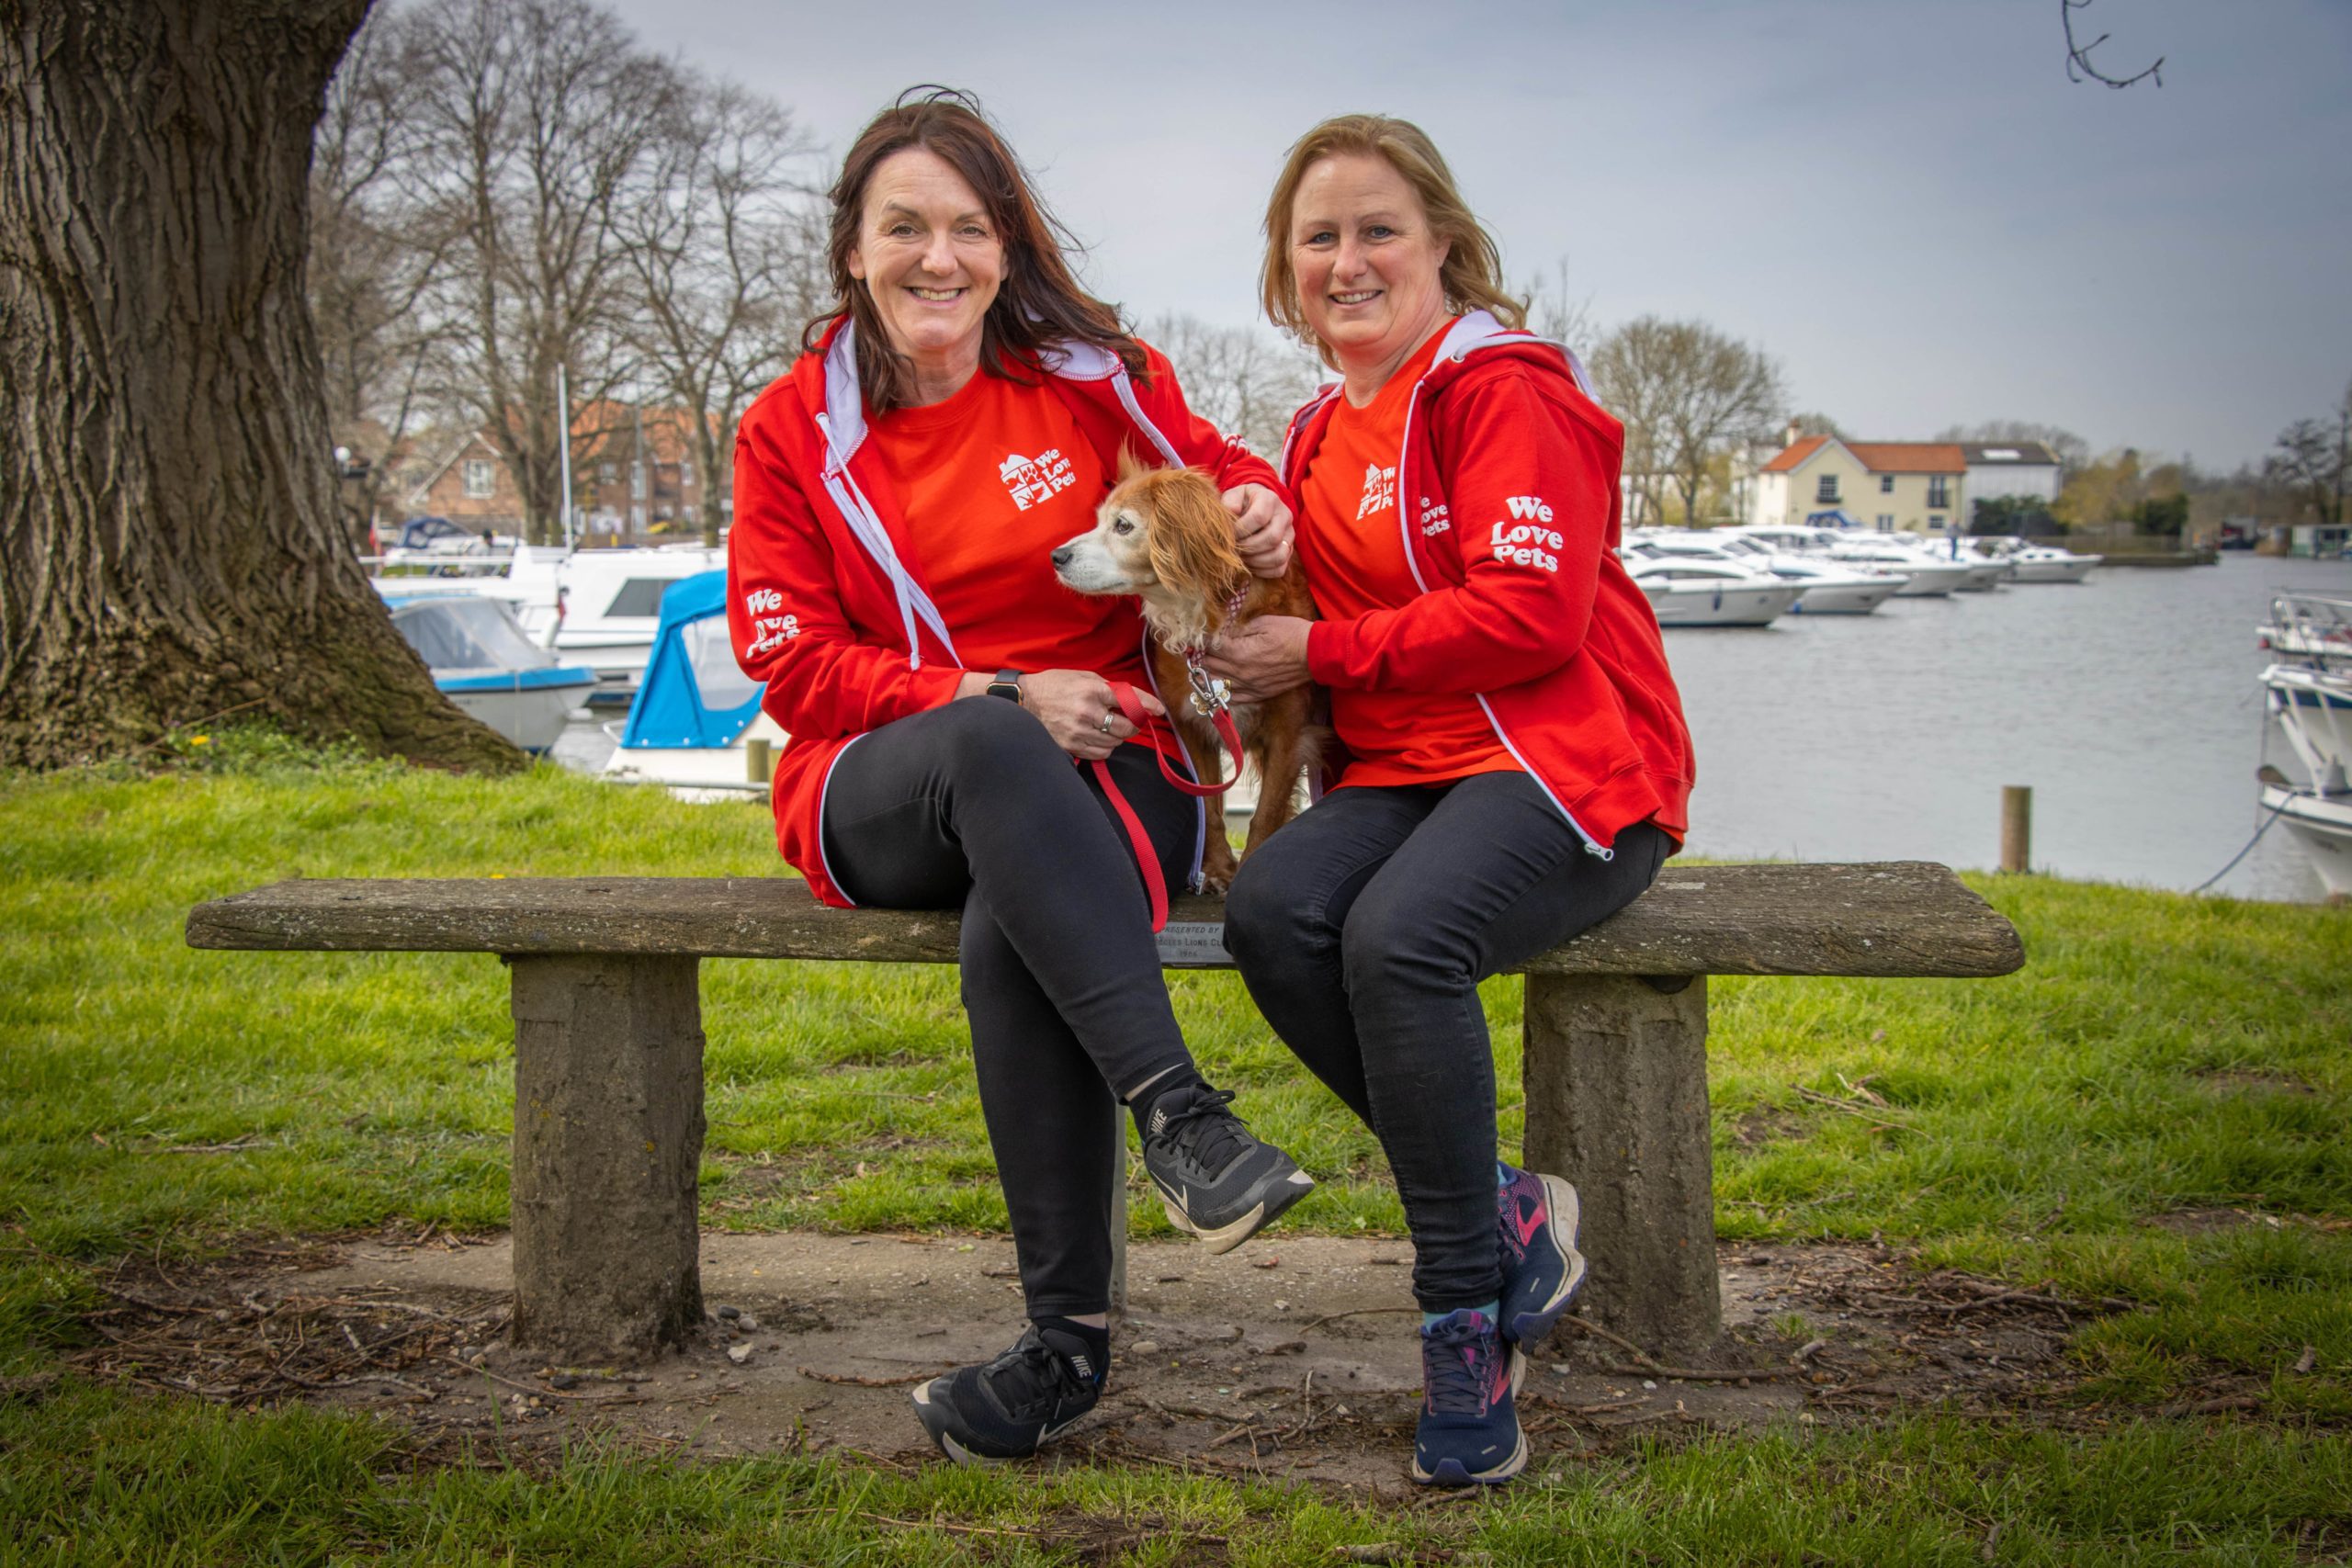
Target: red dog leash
(1210, 699)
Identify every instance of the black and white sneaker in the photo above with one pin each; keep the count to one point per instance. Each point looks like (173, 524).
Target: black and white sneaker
(1009, 1407)
(1217, 1178)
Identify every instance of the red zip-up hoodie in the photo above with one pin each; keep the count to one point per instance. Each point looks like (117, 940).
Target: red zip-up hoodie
(1508, 500)
(825, 597)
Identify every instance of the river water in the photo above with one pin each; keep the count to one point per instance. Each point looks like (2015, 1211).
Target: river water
(2128, 702)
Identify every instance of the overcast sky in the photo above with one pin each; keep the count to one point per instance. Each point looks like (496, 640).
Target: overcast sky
(1904, 200)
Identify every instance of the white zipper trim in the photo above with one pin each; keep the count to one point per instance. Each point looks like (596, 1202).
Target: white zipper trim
(865, 526)
(1592, 846)
(824, 789)
(1125, 385)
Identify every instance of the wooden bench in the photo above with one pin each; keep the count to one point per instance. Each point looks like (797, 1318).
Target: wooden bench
(608, 1048)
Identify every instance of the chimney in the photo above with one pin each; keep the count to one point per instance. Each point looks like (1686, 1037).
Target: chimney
(1794, 435)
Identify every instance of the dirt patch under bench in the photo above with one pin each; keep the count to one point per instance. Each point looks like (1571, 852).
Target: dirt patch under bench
(1296, 1357)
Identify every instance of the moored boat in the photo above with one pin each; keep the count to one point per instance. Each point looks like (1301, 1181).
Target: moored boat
(600, 608)
(482, 660)
(695, 710)
(1928, 577)
(1695, 592)
(2308, 626)
(2323, 824)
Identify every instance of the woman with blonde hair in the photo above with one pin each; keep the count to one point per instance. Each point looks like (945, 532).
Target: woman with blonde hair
(1516, 766)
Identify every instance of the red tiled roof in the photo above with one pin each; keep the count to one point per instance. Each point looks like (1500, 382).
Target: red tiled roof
(1882, 456)
(1910, 456)
(1795, 455)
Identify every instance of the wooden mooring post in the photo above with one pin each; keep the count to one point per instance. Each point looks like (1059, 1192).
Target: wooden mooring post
(2016, 828)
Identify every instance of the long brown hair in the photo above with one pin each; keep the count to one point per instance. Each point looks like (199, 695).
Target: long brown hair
(1473, 270)
(1039, 302)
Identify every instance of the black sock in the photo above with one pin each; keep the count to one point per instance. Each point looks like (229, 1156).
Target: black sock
(1092, 1353)
(1175, 1078)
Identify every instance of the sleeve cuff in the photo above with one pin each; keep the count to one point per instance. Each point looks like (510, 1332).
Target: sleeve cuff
(1326, 653)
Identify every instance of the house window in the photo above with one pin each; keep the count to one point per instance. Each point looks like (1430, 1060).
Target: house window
(1886, 522)
(603, 473)
(1936, 522)
(1939, 491)
(482, 479)
(1887, 484)
(685, 477)
(1826, 492)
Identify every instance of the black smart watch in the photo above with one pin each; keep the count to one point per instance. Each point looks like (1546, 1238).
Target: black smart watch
(1007, 684)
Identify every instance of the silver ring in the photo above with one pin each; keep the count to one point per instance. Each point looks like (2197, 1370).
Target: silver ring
(1108, 714)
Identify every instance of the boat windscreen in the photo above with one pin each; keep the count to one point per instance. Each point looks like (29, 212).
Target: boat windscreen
(468, 634)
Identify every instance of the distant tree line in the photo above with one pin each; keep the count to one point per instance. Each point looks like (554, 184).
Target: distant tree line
(504, 188)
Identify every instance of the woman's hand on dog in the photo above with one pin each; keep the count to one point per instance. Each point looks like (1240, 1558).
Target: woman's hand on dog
(1262, 529)
(1074, 705)
(1261, 660)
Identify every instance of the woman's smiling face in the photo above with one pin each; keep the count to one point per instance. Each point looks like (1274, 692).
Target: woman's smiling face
(930, 256)
(1366, 260)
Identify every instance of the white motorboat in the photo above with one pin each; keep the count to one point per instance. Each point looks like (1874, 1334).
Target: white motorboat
(2308, 626)
(2048, 563)
(1986, 572)
(2321, 823)
(1929, 578)
(1829, 589)
(1685, 592)
(2313, 709)
(483, 662)
(600, 607)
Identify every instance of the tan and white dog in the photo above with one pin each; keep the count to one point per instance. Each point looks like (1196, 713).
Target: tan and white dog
(1164, 536)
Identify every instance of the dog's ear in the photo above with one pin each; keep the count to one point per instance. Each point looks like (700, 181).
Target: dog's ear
(1192, 550)
(1130, 465)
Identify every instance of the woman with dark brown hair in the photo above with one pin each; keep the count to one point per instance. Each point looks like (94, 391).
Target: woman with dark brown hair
(958, 413)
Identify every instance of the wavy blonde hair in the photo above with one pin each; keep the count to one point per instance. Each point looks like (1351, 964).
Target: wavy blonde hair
(1473, 270)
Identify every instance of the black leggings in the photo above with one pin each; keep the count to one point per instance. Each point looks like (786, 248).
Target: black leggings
(972, 806)
(1363, 928)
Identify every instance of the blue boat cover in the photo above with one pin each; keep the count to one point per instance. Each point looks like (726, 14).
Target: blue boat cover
(693, 693)
(1836, 517)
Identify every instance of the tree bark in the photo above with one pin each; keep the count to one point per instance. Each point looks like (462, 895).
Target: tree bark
(168, 526)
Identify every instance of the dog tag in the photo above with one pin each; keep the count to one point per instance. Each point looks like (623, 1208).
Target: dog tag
(1193, 944)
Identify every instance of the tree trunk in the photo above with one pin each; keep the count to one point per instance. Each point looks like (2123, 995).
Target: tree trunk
(168, 527)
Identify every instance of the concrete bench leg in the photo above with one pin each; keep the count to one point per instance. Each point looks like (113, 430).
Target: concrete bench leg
(609, 1129)
(1616, 1076)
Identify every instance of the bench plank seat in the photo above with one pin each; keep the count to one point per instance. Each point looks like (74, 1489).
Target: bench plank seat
(1899, 918)
(608, 1117)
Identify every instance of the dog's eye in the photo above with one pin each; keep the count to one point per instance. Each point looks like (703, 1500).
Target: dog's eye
(1123, 525)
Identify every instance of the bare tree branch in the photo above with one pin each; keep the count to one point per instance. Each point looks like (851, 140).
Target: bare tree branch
(2078, 55)
(1244, 381)
(535, 122)
(729, 259)
(1687, 394)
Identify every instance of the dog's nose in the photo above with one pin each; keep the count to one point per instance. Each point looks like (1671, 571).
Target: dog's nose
(1061, 556)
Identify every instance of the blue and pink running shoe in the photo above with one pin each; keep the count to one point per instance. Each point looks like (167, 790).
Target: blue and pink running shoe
(1469, 1433)
(1542, 1267)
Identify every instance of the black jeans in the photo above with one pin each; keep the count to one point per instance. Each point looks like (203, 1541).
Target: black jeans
(972, 806)
(1363, 928)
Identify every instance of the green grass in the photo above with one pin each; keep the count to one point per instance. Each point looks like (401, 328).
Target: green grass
(2160, 1054)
